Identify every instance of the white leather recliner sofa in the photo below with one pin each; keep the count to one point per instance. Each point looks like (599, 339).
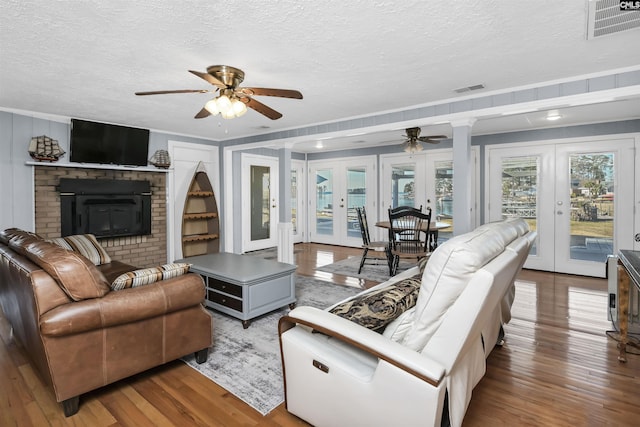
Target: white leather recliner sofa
(340, 373)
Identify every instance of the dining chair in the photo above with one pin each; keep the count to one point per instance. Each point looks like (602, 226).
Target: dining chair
(409, 235)
(404, 208)
(370, 250)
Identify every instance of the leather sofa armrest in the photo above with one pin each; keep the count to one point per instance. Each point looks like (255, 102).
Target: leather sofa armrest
(364, 339)
(128, 305)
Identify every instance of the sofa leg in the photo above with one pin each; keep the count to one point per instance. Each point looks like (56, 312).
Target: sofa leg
(500, 341)
(70, 406)
(202, 356)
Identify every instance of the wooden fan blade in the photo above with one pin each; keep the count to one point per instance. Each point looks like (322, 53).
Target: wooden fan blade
(208, 77)
(433, 139)
(202, 114)
(162, 92)
(263, 91)
(262, 109)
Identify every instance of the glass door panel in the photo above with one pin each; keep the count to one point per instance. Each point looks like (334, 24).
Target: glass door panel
(260, 199)
(443, 209)
(519, 190)
(324, 202)
(592, 206)
(403, 179)
(356, 197)
(521, 183)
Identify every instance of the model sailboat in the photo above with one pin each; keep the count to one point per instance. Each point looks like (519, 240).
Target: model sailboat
(45, 149)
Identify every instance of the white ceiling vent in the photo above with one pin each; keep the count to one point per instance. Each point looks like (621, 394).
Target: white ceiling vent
(606, 17)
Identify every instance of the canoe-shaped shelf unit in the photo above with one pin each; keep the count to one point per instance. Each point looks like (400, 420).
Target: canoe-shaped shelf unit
(200, 222)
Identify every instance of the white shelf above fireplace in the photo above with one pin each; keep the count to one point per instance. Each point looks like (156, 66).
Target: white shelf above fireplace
(99, 166)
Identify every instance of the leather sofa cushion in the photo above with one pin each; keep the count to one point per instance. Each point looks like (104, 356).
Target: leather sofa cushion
(130, 305)
(77, 276)
(86, 245)
(447, 273)
(19, 240)
(7, 234)
(146, 276)
(375, 310)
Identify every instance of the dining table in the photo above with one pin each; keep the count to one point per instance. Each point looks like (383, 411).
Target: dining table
(434, 227)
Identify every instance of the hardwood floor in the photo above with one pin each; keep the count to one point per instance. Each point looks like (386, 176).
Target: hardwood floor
(557, 367)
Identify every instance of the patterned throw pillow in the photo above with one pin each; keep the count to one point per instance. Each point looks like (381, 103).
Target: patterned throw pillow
(146, 276)
(86, 245)
(378, 308)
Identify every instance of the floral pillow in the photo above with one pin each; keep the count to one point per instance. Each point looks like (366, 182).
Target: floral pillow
(375, 310)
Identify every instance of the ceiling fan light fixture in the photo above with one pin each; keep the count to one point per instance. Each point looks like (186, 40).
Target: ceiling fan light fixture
(223, 103)
(413, 147)
(212, 107)
(239, 107)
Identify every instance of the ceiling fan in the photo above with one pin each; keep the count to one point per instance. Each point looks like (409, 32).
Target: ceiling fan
(412, 144)
(233, 100)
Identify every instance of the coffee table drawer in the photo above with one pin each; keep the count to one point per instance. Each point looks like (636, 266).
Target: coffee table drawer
(227, 288)
(225, 300)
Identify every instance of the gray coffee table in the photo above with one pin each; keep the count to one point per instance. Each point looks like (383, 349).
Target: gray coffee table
(245, 286)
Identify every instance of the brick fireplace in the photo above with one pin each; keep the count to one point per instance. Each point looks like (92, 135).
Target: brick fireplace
(142, 251)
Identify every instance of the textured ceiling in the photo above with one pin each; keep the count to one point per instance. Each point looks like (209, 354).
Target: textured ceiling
(85, 59)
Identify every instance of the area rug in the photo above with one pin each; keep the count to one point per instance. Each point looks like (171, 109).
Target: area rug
(370, 271)
(246, 362)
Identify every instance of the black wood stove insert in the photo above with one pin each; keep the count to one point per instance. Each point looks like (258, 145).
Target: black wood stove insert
(105, 208)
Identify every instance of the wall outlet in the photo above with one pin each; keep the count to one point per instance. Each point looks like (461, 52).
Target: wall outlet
(612, 300)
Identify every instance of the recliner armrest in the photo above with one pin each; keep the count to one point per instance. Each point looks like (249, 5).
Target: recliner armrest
(364, 339)
(128, 305)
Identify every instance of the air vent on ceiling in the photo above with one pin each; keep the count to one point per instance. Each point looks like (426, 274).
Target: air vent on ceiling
(605, 17)
(469, 88)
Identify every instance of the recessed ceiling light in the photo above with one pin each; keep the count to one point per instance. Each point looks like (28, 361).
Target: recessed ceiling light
(554, 116)
(319, 144)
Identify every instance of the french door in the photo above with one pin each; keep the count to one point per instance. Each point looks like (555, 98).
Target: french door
(578, 195)
(259, 201)
(336, 188)
(426, 180)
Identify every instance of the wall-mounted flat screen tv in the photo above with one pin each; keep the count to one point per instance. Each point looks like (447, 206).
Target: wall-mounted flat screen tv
(93, 142)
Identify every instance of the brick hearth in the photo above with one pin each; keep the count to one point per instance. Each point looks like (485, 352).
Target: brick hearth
(141, 251)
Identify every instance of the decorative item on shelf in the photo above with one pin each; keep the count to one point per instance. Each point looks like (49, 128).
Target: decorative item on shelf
(160, 159)
(43, 148)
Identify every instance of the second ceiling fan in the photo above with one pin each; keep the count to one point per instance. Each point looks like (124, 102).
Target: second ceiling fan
(233, 100)
(412, 144)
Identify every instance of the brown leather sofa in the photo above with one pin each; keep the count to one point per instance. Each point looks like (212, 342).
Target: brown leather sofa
(81, 335)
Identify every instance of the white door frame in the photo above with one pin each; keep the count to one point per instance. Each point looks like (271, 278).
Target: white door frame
(248, 160)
